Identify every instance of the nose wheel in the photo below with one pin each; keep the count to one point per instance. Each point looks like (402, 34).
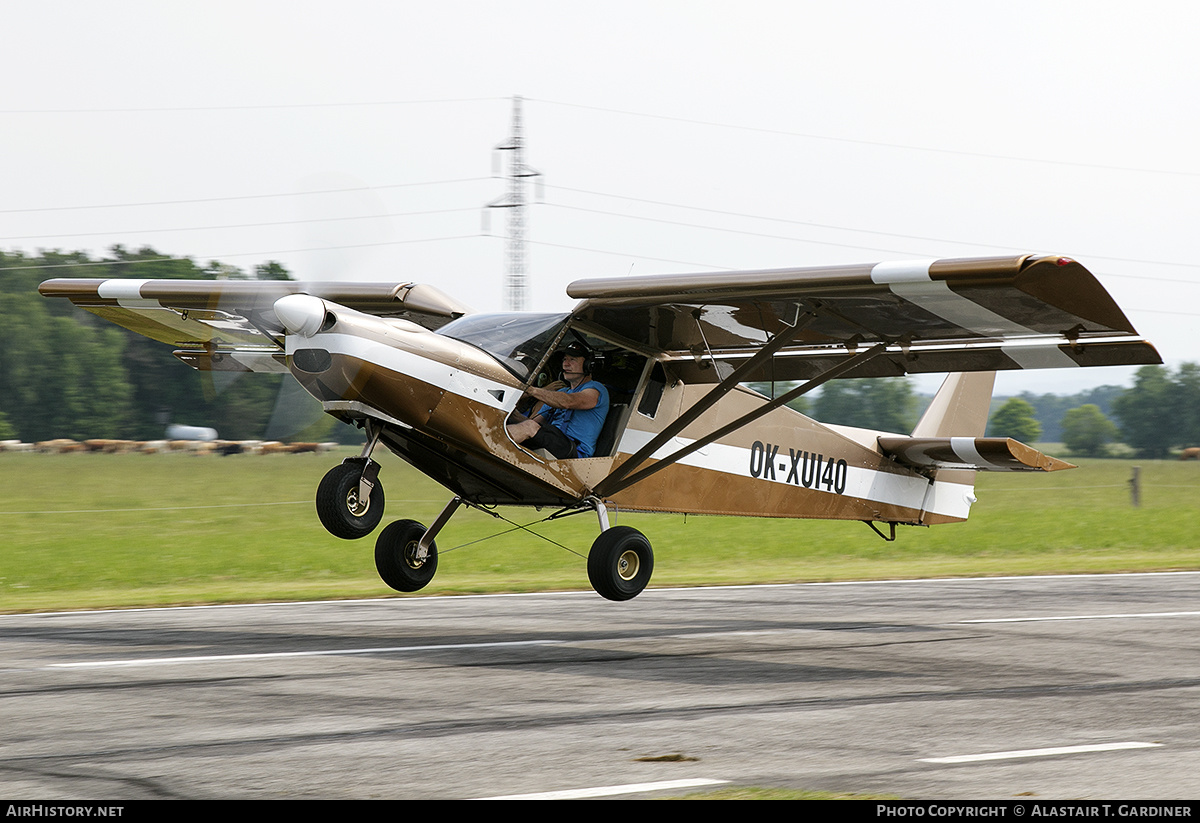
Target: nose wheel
(350, 499)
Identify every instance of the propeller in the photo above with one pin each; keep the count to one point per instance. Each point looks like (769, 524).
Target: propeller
(343, 224)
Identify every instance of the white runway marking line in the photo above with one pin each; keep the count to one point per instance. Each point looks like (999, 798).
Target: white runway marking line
(425, 600)
(217, 658)
(250, 656)
(1081, 617)
(608, 791)
(1099, 747)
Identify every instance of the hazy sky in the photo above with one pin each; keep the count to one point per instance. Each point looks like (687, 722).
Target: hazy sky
(671, 136)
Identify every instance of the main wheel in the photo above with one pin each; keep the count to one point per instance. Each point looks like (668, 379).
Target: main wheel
(341, 511)
(620, 563)
(396, 557)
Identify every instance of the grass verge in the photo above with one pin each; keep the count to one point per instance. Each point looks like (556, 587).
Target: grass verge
(96, 530)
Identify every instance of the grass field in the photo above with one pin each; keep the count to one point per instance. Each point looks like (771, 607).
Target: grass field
(92, 530)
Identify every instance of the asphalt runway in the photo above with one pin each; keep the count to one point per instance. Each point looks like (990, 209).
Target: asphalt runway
(1079, 687)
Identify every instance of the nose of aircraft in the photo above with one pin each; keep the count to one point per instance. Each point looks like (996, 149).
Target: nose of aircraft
(300, 314)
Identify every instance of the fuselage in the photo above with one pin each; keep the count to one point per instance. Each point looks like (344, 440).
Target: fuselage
(444, 402)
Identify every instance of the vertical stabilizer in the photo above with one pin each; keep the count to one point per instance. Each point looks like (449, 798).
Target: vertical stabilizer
(960, 408)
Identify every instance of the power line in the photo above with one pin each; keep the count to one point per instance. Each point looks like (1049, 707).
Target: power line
(874, 143)
(859, 245)
(165, 258)
(1166, 311)
(239, 225)
(628, 254)
(245, 196)
(609, 110)
(811, 224)
(762, 234)
(261, 107)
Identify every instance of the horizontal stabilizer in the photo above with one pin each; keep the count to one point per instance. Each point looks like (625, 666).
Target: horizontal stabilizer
(989, 454)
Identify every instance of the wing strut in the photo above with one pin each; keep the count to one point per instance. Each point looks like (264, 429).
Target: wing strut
(613, 482)
(620, 480)
(609, 485)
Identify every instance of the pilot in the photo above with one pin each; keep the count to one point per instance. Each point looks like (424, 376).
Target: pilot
(571, 413)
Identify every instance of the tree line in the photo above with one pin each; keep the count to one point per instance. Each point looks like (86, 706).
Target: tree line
(1158, 414)
(66, 373)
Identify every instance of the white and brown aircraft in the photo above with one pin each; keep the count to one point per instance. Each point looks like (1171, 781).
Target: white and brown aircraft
(435, 383)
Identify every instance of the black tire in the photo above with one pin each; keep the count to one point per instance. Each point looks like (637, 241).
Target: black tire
(337, 503)
(395, 557)
(620, 563)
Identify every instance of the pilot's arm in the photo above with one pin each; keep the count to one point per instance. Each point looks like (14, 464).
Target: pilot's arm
(586, 399)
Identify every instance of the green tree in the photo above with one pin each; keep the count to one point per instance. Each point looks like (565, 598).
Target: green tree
(27, 356)
(1087, 431)
(1187, 404)
(1015, 419)
(884, 404)
(1148, 414)
(271, 270)
(773, 390)
(66, 373)
(1050, 408)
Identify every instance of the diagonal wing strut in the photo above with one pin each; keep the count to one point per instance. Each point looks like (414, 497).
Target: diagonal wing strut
(724, 387)
(623, 476)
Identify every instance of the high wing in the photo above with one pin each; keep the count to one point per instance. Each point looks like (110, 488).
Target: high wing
(230, 325)
(953, 315)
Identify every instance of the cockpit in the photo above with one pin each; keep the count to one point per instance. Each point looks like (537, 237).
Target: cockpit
(521, 341)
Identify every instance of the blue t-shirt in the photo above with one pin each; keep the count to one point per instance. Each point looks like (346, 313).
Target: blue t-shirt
(581, 425)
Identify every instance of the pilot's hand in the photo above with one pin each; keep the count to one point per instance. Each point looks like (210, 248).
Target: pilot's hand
(556, 385)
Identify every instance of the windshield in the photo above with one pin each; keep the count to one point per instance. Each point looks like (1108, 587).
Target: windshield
(518, 341)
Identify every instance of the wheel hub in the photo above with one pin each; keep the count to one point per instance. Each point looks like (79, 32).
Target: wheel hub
(412, 555)
(354, 505)
(628, 564)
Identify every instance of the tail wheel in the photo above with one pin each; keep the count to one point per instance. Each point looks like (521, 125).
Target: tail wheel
(397, 556)
(342, 511)
(620, 563)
